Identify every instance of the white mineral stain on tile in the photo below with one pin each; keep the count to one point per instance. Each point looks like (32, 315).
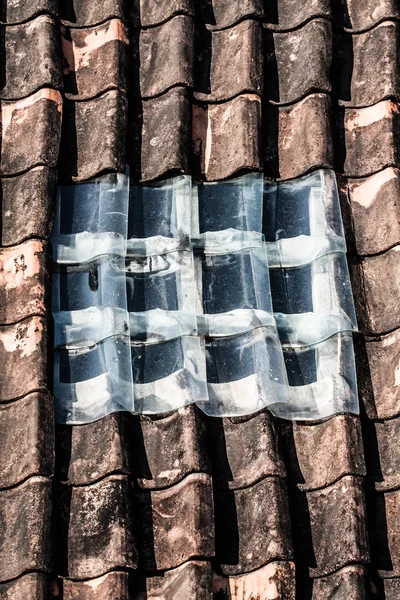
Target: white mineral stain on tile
(365, 193)
(370, 115)
(24, 337)
(19, 264)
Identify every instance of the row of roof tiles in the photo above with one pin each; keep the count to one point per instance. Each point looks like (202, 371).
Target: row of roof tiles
(355, 15)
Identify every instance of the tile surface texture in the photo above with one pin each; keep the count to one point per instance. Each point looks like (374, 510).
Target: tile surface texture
(187, 507)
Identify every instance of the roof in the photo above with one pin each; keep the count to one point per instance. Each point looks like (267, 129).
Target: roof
(186, 506)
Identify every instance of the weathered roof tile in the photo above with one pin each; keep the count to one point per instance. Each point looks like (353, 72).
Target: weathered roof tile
(31, 585)
(221, 14)
(274, 580)
(289, 14)
(84, 13)
(348, 583)
(384, 517)
(15, 11)
(382, 456)
(147, 13)
(190, 581)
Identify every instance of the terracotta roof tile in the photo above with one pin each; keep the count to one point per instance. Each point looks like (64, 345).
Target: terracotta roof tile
(24, 514)
(95, 59)
(214, 125)
(193, 579)
(365, 68)
(384, 515)
(147, 13)
(84, 13)
(15, 11)
(306, 125)
(24, 74)
(24, 275)
(27, 204)
(349, 583)
(23, 358)
(374, 211)
(111, 584)
(337, 513)
(298, 62)
(159, 72)
(376, 296)
(275, 580)
(319, 454)
(175, 524)
(241, 47)
(94, 528)
(221, 14)
(31, 131)
(26, 439)
(88, 149)
(357, 15)
(158, 141)
(31, 585)
(252, 526)
(378, 380)
(238, 460)
(382, 457)
(289, 14)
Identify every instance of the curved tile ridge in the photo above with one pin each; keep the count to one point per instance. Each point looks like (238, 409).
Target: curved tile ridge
(214, 128)
(32, 58)
(145, 13)
(28, 205)
(30, 585)
(274, 580)
(14, 12)
(25, 511)
(370, 209)
(319, 454)
(94, 59)
(240, 47)
(24, 344)
(31, 130)
(349, 582)
(24, 279)
(27, 434)
(377, 290)
(378, 360)
(162, 57)
(338, 509)
(365, 65)
(84, 13)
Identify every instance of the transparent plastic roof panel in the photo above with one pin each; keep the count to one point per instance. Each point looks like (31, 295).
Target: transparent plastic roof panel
(232, 295)
(311, 294)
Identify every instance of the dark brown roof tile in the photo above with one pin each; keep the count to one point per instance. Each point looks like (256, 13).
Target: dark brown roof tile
(252, 526)
(378, 360)
(384, 524)
(159, 138)
(381, 454)
(298, 62)
(28, 205)
(146, 13)
(94, 59)
(175, 524)
(366, 138)
(392, 589)
(359, 15)
(241, 48)
(31, 131)
(24, 281)
(319, 454)
(244, 451)
(164, 57)
(289, 14)
(26, 439)
(190, 581)
(298, 138)
(92, 138)
(35, 586)
(374, 211)
(335, 513)
(25, 528)
(376, 286)
(214, 128)
(347, 584)
(85, 13)
(112, 585)
(94, 528)
(274, 580)
(15, 11)
(365, 68)
(23, 358)
(31, 58)
(220, 14)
